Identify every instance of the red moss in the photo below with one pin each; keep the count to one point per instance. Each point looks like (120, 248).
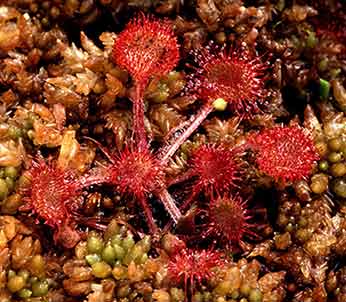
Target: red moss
(52, 196)
(146, 47)
(190, 266)
(229, 219)
(235, 76)
(216, 168)
(285, 153)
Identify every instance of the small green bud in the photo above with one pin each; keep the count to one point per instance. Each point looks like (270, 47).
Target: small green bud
(128, 242)
(15, 283)
(119, 252)
(11, 172)
(40, 288)
(324, 89)
(108, 254)
(92, 258)
(255, 295)
(101, 270)
(25, 293)
(94, 244)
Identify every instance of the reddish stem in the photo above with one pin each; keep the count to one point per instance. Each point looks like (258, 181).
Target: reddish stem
(182, 178)
(92, 222)
(138, 117)
(180, 127)
(94, 179)
(169, 204)
(103, 149)
(182, 208)
(168, 151)
(149, 216)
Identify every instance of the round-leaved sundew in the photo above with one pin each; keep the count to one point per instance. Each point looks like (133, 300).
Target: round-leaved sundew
(147, 47)
(52, 196)
(229, 219)
(234, 75)
(223, 78)
(215, 169)
(285, 153)
(190, 266)
(138, 173)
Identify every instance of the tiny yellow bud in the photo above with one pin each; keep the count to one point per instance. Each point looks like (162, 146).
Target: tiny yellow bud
(220, 104)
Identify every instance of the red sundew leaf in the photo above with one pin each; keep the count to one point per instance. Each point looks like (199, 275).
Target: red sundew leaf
(146, 47)
(234, 75)
(217, 168)
(190, 266)
(285, 153)
(53, 196)
(229, 219)
(137, 172)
